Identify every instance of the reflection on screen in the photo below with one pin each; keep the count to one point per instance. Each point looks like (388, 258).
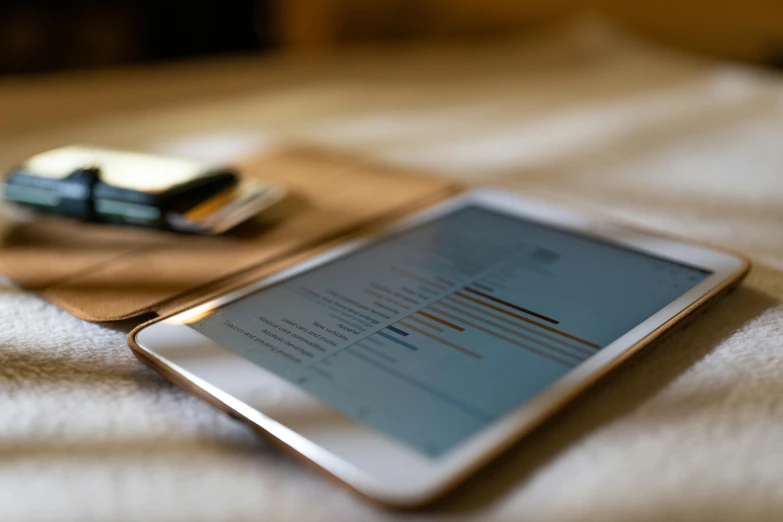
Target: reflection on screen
(433, 334)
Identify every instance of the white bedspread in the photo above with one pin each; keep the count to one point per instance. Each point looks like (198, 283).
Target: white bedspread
(692, 431)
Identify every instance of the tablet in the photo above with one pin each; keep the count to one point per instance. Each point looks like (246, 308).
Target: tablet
(402, 362)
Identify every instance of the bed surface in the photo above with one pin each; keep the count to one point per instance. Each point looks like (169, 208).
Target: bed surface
(691, 431)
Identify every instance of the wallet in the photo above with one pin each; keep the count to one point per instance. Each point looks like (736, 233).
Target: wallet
(100, 272)
(134, 188)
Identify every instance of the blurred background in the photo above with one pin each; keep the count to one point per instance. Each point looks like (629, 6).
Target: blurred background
(44, 35)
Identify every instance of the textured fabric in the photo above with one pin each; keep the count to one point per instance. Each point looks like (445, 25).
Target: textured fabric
(691, 431)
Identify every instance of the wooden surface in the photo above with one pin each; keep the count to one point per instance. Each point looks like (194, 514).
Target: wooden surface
(286, 95)
(750, 30)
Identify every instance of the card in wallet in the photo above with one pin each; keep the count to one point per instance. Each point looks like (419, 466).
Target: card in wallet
(108, 273)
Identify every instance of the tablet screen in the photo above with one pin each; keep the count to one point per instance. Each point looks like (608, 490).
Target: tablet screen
(434, 333)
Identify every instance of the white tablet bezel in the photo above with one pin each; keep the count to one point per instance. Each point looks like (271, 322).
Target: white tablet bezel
(367, 460)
